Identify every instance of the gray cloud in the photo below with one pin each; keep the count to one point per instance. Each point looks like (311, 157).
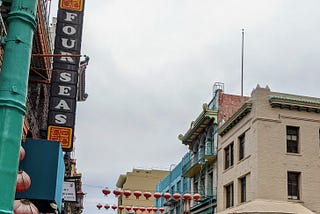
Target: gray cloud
(153, 65)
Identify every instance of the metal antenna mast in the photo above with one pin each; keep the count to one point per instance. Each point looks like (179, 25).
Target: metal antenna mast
(242, 57)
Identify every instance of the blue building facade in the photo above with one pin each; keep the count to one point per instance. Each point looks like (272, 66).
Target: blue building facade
(173, 183)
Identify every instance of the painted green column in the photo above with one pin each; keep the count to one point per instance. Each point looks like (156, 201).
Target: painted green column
(13, 93)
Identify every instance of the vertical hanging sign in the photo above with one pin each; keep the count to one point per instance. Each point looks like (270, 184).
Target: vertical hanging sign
(64, 79)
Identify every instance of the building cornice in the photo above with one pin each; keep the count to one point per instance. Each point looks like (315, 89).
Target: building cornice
(205, 119)
(235, 118)
(121, 180)
(298, 104)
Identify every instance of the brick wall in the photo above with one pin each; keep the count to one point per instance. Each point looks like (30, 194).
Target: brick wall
(229, 104)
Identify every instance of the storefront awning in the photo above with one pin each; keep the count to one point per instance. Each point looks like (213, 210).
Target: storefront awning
(268, 207)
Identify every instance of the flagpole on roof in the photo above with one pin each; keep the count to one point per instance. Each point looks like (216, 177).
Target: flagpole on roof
(242, 58)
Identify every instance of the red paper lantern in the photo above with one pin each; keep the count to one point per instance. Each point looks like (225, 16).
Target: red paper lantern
(107, 206)
(157, 195)
(120, 207)
(154, 209)
(117, 192)
(99, 206)
(106, 191)
(137, 194)
(187, 196)
(142, 209)
(22, 153)
(147, 195)
(196, 196)
(167, 195)
(23, 181)
(128, 208)
(114, 207)
(127, 193)
(149, 209)
(176, 196)
(161, 209)
(24, 206)
(135, 209)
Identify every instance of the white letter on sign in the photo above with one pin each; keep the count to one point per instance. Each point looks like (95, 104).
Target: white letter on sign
(66, 41)
(62, 105)
(66, 58)
(70, 16)
(60, 119)
(69, 30)
(65, 77)
(64, 90)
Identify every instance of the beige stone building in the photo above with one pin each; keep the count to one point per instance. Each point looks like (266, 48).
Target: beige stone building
(269, 155)
(139, 180)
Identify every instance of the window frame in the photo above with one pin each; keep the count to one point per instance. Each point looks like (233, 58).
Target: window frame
(229, 199)
(196, 185)
(229, 156)
(292, 139)
(210, 183)
(243, 189)
(241, 143)
(293, 185)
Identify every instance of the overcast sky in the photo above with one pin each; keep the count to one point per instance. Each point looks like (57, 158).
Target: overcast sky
(153, 64)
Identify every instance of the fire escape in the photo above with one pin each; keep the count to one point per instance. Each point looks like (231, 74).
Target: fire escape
(40, 70)
(40, 67)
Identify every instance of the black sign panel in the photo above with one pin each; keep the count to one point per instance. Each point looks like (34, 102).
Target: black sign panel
(70, 77)
(71, 17)
(67, 57)
(65, 66)
(62, 107)
(63, 90)
(71, 44)
(61, 119)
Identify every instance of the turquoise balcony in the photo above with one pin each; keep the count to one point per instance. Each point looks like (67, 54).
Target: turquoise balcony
(195, 162)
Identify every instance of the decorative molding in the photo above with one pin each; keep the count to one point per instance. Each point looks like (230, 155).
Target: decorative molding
(298, 104)
(235, 118)
(205, 119)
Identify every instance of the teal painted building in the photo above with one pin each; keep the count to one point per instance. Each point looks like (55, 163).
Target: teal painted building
(173, 183)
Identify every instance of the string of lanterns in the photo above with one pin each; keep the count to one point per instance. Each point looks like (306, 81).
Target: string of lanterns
(147, 195)
(129, 208)
(23, 182)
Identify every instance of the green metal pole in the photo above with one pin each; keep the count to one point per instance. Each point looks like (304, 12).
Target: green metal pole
(13, 93)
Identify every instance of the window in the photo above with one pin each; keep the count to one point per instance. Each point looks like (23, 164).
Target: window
(210, 184)
(172, 190)
(202, 184)
(292, 139)
(243, 189)
(293, 185)
(179, 186)
(185, 184)
(229, 195)
(241, 146)
(228, 156)
(195, 186)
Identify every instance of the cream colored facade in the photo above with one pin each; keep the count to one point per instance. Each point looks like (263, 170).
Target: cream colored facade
(263, 121)
(139, 180)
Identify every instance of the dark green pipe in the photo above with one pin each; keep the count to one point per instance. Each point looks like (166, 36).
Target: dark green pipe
(13, 93)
